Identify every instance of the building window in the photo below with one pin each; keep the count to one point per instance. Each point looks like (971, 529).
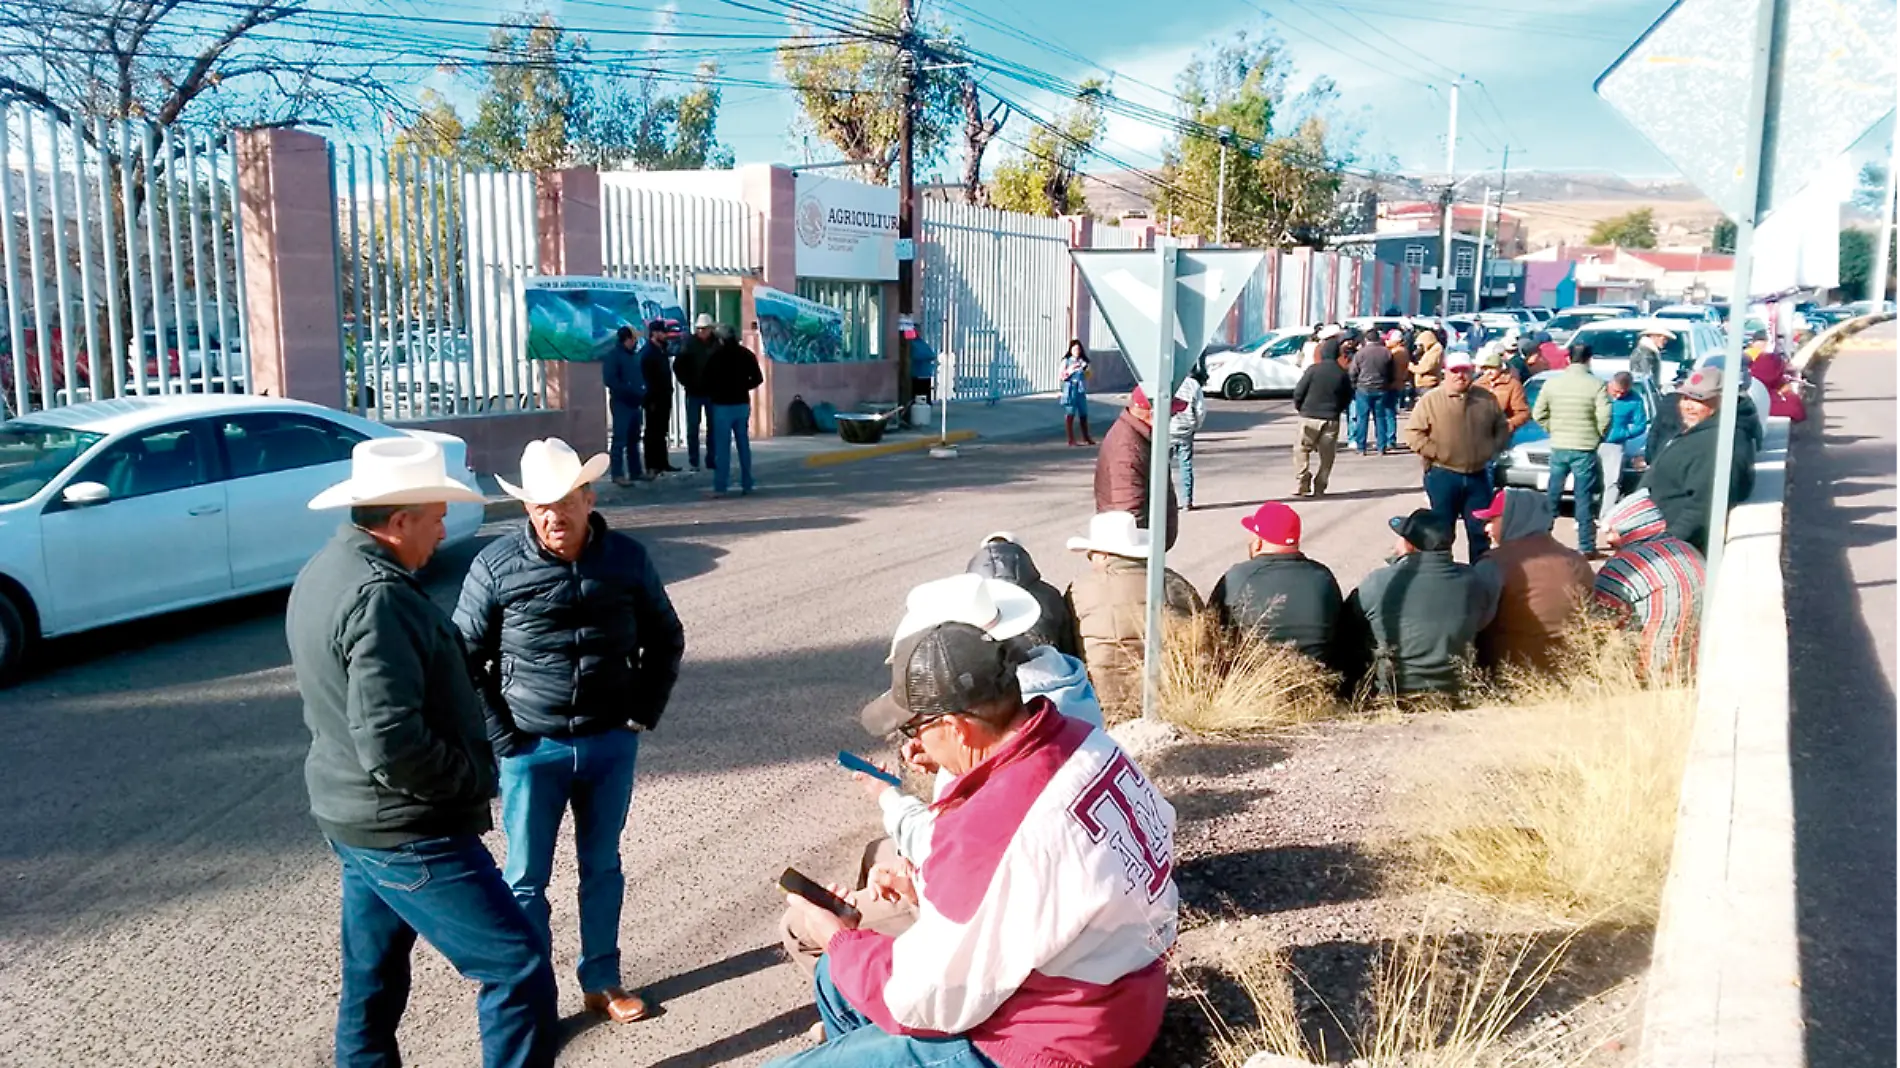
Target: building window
(1462, 263)
(1455, 302)
(1415, 255)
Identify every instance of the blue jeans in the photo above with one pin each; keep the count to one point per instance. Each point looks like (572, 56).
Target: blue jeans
(731, 423)
(1359, 418)
(448, 891)
(623, 445)
(1385, 414)
(1582, 464)
(1455, 496)
(594, 774)
(1181, 451)
(853, 1041)
(696, 408)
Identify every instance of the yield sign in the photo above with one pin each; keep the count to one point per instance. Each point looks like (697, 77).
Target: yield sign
(1127, 285)
(1683, 84)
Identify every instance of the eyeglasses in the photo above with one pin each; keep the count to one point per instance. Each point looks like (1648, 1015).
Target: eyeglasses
(916, 726)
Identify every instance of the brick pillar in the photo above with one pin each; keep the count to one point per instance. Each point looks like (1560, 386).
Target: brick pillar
(1272, 317)
(1302, 279)
(567, 226)
(772, 192)
(287, 207)
(1081, 235)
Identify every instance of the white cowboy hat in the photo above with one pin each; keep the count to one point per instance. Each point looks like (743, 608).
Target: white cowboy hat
(1116, 534)
(550, 470)
(1330, 330)
(703, 321)
(391, 471)
(1000, 609)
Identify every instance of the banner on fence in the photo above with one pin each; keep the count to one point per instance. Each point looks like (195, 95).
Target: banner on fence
(573, 319)
(796, 330)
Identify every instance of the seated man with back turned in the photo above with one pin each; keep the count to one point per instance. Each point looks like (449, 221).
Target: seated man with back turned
(1413, 623)
(1279, 593)
(1047, 901)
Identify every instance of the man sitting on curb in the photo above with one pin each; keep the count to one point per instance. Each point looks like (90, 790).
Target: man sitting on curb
(1046, 905)
(1001, 557)
(1413, 622)
(1005, 613)
(1110, 605)
(1279, 593)
(1682, 479)
(1542, 583)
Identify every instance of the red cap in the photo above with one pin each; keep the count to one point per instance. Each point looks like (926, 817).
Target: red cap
(1139, 399)
(1275, 524)
(1496, 509)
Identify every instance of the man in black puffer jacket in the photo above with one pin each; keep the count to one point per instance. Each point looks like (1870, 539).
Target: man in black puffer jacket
(1001, 558)
(575, 648)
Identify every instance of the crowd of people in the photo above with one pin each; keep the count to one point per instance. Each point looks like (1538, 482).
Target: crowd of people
(1023, 915)
(716, 375)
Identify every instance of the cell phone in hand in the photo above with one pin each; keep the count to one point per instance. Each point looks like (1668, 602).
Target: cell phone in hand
(796, 882)
(854, 762)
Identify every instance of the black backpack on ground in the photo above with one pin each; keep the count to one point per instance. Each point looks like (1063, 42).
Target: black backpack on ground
(799, 418)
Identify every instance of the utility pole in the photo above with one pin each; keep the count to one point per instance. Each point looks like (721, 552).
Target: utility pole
(906, 193)
(1877, 285)
(1484, 219)
(1444, 211)
(1226, 134)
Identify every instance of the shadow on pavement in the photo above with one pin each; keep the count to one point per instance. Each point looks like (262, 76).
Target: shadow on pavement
(759, 1036)
(1842, 741)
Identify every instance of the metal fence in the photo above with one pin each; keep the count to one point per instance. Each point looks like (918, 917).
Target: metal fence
(121, 263)
(996, 290)
(677, 240)
(430, 262)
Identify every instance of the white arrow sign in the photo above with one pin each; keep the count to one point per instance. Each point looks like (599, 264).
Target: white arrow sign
(1126, 285)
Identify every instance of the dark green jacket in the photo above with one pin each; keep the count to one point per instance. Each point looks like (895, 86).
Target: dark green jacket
(1413, 623)
(398, 748)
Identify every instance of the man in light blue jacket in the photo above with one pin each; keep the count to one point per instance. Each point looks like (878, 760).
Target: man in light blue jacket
(1629, 429)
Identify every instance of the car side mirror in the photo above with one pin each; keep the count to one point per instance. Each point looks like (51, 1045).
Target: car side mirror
(81, 494)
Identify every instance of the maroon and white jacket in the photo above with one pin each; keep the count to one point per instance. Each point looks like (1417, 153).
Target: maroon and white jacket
(1047, 903)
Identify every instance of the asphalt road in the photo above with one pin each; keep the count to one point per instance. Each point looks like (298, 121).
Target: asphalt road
(165, 899)
(1840, 578)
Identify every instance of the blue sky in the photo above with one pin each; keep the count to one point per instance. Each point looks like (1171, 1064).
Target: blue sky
(1528, 65)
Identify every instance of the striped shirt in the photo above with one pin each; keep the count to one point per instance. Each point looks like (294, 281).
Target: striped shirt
(1655, 586)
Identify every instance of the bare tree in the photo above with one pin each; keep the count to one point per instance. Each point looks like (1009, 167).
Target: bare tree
(229, 62)
(978, 132)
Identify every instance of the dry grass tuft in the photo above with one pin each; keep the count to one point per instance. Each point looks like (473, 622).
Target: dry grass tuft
(1572, 808)
(1435, 1001)
(1216, 681)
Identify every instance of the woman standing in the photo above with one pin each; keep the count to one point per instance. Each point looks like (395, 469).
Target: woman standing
(1075, 392)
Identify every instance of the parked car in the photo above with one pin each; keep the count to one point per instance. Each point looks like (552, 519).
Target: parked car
(1269, 365)
(1527, 462)
(1613, 340)
(1570, 320)
(114, 510)
(1830, 315)
(1541, 314)
(1695, 313)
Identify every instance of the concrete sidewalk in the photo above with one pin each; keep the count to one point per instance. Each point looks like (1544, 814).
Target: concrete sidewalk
(1038, 416)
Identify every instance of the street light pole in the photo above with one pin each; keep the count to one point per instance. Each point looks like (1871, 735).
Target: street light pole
(1877, 285)
(1484, 221)
(1226, 134)
(1444, 212)
(906, 192)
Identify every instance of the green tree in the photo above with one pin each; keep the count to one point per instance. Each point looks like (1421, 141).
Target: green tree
(1857, 262)
(1282, 186)
(1723, 240)
(852, 93)
(1041, 179)
(437, 130)
(1632, 229)
(1873, 186)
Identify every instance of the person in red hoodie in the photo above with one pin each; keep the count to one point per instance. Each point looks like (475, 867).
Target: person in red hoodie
(1045, 904)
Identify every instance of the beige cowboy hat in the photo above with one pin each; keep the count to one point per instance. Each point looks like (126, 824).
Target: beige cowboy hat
(1114, 533)
(550, 470)
(1000, 609)
(391, 471)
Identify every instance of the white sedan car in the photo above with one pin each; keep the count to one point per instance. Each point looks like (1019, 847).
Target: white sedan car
(1268, 365)
(118, 509)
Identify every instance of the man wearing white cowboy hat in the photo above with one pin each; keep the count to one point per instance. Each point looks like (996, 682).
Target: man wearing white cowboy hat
(400, 771)
(1110, 603)
(576, 648)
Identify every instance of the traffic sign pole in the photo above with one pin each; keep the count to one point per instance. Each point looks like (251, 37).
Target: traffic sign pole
(1160, 482)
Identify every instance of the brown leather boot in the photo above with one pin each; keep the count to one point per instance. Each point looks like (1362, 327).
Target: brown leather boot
(617, 1005)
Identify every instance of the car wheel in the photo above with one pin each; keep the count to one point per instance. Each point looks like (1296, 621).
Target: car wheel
(13, 640)
(1237, 387)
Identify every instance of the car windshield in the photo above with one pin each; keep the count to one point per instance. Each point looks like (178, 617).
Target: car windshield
(1573, 320)
(31, 455)
(1617, 344)
(1681, 313)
